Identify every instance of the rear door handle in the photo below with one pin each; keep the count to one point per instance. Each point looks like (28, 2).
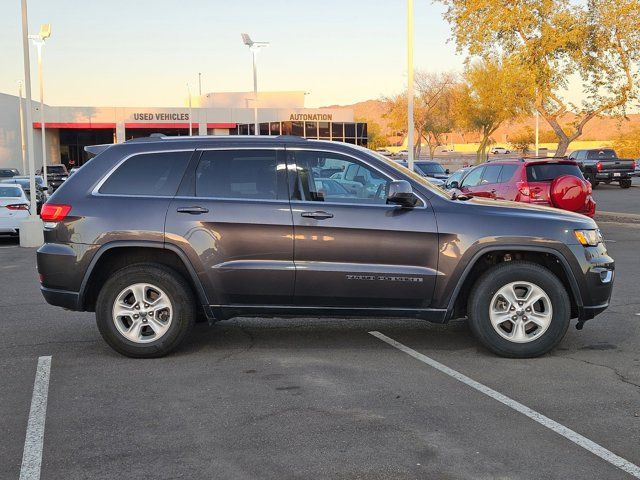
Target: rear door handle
(318, 215)
(193, 210)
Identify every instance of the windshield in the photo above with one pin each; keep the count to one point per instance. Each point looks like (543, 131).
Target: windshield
(430, 168)
(56, 169)
(10, 192)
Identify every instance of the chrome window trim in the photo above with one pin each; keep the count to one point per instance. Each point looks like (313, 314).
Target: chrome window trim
(234, 199)
(425, 204)
(96, 190)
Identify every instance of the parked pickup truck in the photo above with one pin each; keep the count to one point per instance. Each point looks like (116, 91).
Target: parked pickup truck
(603, 165)
(56, 175)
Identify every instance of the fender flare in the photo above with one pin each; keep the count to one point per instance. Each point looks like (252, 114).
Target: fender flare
(200, 291)
(575, 289)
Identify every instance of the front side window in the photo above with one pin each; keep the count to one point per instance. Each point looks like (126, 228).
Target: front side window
(491, 174)
(473, 178)
(331, 177)
(155, 174)
(239, 174)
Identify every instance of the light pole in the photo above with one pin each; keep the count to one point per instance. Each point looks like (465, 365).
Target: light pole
(30, 228)
(410, 126)
(255, 48)
(22, 139)
(38, 41)
(199, 84)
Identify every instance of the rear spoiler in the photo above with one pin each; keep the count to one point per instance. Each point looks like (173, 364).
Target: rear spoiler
(94, 150)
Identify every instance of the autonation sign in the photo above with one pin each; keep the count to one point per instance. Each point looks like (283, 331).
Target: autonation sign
(327, 117)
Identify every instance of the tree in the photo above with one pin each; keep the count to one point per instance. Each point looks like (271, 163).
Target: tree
(375, 138)
(522, 139)
(628, 144)
(492, 93)
(432, 114)
(595, 43)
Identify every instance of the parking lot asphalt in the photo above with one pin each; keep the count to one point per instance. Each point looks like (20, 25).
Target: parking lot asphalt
(612, 198)
(317, 398)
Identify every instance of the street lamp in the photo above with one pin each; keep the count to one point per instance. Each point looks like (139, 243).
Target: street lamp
(38, 41)
(22, 137)
(410, 126)
(255, 48)
(190, 121)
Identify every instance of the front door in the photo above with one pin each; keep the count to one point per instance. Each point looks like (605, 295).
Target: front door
(352, 250)
(234, 223)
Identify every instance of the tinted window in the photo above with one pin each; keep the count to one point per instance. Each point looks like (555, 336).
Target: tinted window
(5, 172)
(59, 169)
(430, 168)
(156, 174)
(10, 192)
(491, 174)
(550, 171)
(473, 178)
(507, 173)
(329, 177)
(248, 174)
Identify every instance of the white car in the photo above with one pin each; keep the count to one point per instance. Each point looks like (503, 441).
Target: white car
(14, 207)
(384, 151)
(403, 153)
(500, 150)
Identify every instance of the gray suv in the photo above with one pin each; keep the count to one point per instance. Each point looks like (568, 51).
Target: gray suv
(151, 233)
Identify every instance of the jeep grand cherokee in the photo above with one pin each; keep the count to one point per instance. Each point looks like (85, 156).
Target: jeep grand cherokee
(152, 231)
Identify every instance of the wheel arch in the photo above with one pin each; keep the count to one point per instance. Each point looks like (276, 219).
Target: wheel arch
(491, 255)
(115, 255)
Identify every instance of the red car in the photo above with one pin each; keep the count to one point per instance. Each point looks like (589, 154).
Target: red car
(554, 182)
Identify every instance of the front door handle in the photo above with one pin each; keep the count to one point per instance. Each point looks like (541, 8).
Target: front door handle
(318, 215)
(193, 210)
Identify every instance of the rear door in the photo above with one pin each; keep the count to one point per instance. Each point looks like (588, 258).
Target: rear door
(232, 218)
(507, 188)
(352, 250)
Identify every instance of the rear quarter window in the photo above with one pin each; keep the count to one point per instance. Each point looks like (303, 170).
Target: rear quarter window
(155, 174)
(547, 172)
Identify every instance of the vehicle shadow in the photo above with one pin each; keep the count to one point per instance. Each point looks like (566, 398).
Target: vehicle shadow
(9, 241)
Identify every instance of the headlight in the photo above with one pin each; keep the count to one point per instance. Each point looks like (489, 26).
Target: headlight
(588, 238)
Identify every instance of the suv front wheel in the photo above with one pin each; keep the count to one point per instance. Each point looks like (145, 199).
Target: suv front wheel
(145, 310)
(519, 309)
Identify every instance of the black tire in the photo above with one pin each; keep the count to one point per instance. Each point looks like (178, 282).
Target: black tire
(625, 183)
(500, 275)
(591, 177)
(175, 287)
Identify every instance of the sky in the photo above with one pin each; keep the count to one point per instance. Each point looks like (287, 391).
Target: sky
(143, 52)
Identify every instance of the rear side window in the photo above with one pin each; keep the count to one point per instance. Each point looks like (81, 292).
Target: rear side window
(550, 171)
(507, 173)
(155, 174)
(242, 174)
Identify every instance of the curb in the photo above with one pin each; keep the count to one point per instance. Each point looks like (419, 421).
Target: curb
(617, 217)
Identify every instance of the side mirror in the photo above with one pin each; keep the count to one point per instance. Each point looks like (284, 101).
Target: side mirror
(447, 171)
(401, 193)
(454, 184)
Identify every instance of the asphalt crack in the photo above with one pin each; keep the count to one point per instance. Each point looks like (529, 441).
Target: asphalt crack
(616, 372)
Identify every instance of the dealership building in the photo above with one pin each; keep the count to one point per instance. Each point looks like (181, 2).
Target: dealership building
(70, 129)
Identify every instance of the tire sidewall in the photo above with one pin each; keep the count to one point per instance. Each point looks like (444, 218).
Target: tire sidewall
(181, 301)
(496, 278)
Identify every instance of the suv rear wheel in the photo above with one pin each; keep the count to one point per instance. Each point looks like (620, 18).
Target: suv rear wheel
(519, 309)
(145, 310)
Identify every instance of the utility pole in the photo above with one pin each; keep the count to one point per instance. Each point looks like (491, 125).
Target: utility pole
(410, 126)
(190, 122)
(199, 84)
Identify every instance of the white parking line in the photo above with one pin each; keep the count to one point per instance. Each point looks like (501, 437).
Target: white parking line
(509, 402)
(32, 454)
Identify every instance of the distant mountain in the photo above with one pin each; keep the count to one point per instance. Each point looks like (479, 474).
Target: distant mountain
(603, 128)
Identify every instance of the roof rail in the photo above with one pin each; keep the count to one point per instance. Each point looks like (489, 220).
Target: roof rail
(290, 137)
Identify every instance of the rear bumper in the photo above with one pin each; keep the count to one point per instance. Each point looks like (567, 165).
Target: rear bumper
(596, 281)
(613, 175)
(61, 298)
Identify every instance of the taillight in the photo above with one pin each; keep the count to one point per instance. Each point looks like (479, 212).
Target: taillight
(599, 166)
(54, 213)
(523, 188)
(18, 206)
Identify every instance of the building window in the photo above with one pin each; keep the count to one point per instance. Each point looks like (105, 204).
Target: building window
(337, 131)
(264, 129)
(324, 130)
(311, 129)
(243, 129)
(274, 128)
(287, 128)
(350, 130)
(297, 129)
